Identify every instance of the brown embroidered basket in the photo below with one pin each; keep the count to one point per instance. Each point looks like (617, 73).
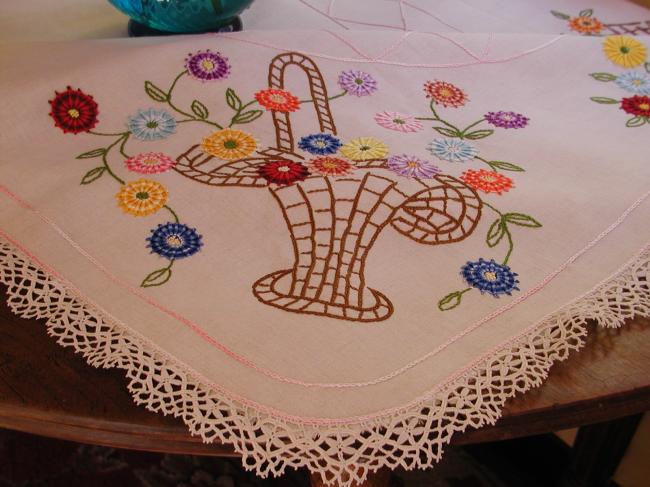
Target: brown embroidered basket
(333, 222)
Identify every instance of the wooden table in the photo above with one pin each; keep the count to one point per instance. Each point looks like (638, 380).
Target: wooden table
(48, 390)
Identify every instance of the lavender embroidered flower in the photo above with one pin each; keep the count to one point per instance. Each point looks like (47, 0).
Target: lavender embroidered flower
(412, 167)
(490, 277)
(174, 241)
(207, 66)
(507, 120)
(357, 83)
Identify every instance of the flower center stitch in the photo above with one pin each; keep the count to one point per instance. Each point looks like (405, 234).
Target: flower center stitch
(490, 276)
(74, 113)
(330, 165)
(413, 164)
(364, 147)
(489, 179)
(320, 143)
(152, 124)
(277, 98)
(207, 64)
(284, 169)
(644, 106)
(358, 81)
(625, 49)
(150, 161)
(445, 93)
(142, 195)
(174, 241)
(399, 121)
(637, 82)
(230, 144)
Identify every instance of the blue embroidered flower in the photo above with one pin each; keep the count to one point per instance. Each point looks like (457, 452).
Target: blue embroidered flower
(151, 124)
(319, 144)
(174, 241)
(452, 150)
(635, 82)
(490, 277)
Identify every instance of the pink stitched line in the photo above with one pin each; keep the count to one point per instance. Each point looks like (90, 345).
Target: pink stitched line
(348, 43)
(426, 12)
(392, 48)
(288, 380)
(306, 4)
(353, 21)
(488, 46)
(312, 420)
(236, 37)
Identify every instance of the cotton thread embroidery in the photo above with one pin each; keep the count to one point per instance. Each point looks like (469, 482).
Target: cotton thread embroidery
(586, 24)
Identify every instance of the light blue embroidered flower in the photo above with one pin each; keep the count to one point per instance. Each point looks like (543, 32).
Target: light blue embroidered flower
(452, 150)
(634, 82)
(151, 124)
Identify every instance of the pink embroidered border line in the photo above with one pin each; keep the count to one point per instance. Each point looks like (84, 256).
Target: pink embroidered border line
(288, 380)
(448, 382)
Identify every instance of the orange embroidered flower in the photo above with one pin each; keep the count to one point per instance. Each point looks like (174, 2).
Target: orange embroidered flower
(445, 94)
(330, 166)
(277, 100)
(487, 181)
(142, 197)
(586, 25)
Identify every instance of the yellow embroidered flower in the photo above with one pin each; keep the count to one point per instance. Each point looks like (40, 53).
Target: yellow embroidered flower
(142, 197)
(364, 149)
(625, 51)
(229, 144)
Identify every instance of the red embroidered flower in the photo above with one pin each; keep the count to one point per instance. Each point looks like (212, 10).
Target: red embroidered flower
(283, 172)
(330, 166)
(278, 100)
(488, 181)
(73, 111)
(636, 105)
(445, 94)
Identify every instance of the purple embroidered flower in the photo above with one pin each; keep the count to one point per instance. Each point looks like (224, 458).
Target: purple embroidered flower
(412, 167)
(507, 120)
(357, 83)
(207, 66)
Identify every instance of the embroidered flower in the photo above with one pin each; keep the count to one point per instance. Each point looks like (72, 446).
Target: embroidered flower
(586, 25)
(507, 120)
(150, 163)
(638, 83)
(277, 100)
(452, 150)
(207, 65)
(283, 172)
(229, 144)
(142, 197)
(490, 277)
(357, 83)
(625, 51)
(487, 181)
(412, 167)
(445, 94)
(73, 111)
(319, 144)
(151, 124)
(636, 105)
(174, 241)
(364, 149)
(398, 121)
(330, 166)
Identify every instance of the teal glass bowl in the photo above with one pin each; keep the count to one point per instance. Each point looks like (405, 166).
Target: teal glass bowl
(184, 16)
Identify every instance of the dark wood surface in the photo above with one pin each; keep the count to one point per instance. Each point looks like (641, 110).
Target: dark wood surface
(49, 390)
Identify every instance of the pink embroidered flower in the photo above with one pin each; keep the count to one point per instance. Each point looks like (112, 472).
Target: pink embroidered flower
(150, 163)
(398, 121)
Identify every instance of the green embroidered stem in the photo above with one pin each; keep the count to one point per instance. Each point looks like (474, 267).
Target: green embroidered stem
(107, 135)
(464, 131)
(452, 300)
(504, 166)
(241, 116)
(126, 138)
(158, 277)
(123, 139)
(329, 98)
(450, 131)
(169, 209)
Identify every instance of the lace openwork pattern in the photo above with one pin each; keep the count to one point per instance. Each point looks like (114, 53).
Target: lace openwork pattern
(412, 437)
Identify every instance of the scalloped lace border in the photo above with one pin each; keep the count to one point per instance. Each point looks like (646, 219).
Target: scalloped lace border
(412, 437)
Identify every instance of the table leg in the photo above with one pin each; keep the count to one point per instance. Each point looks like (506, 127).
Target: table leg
(375, 479)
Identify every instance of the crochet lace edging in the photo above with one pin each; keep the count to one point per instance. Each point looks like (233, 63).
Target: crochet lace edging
(412, 437)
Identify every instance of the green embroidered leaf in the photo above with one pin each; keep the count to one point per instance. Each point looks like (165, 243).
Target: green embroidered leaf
(495, 233)
(247, 117)
(157, 277)
(447, 132)
(522, 220)
(636, 122)
(450, 301)
(479, 134)
(505, 166)
(93, 175)
(604, 100)
(92, 153)
(603, 76)
(200, 109)
(586, 13)
(233, 100)
(155, 93)
(560, 15)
